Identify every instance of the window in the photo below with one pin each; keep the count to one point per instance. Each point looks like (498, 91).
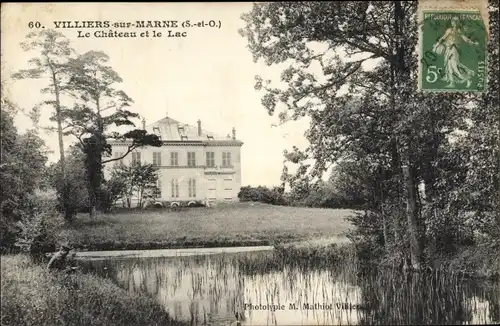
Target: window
(156, 131)
(210, 159)
(182, 133)
(191, 159)
(175, 188)
(158, 190)
(117, 155)
(228, 182)
(226, 159)
(174, 159)
(156, 158)
(136, 157)
(192, 187)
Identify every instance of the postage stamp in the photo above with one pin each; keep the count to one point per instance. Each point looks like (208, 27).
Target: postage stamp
(453, 47)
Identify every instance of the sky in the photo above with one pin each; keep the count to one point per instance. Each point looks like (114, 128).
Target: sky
(207, 75)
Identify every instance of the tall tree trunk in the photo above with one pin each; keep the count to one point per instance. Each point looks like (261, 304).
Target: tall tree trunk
(395, 166)
(96, 183)
(68, 211)
(92, 177)
(93, 209)
(68, 207)
(62, 159)
(411, 216)
(57, 92)
(384, 226)
(382, 210)
(408, 175)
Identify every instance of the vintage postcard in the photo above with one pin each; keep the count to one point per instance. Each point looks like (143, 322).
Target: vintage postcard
(453, 45)
(238, 163)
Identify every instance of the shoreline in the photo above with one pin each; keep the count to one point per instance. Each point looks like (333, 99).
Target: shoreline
(170, 245)
(298, 247)
(163, 253)
(217, 245)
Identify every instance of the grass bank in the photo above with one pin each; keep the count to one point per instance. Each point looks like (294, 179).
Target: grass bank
(241, 224)
(32, 296)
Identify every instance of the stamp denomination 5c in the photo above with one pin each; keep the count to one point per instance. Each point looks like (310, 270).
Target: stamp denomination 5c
(453, 48)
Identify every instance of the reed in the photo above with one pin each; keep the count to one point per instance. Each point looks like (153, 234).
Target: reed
(214, 288)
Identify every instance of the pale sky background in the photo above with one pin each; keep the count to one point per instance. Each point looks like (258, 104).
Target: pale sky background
(208, 75)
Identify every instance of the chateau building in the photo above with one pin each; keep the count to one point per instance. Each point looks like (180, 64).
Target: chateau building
(194, 164)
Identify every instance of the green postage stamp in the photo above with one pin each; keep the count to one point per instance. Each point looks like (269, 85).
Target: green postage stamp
(453, 48)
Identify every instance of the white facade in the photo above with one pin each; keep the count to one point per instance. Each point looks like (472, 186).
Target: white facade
(193, 164)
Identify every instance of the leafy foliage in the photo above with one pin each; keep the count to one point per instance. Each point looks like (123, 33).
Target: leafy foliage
(23, 160)
(110, 192)
(53, 52)
(39, 226)
(99, 107)
(135, 180)
(72, 190)
(261, 194)
(421, 163)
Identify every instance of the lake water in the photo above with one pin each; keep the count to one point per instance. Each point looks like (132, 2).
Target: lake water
(257, 289)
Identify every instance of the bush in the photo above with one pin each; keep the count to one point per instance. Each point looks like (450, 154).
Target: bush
(39, 226)
(109, 193)
(367, 236)
(262, 194)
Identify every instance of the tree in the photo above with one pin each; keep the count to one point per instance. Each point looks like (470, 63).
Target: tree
(72, 190)
(100, 107)
(138, 180)
(110, 192)
(480, 189)
(53, 52)
(360, 113)
(23, 158)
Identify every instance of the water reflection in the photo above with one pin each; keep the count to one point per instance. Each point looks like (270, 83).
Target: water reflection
(255, 289)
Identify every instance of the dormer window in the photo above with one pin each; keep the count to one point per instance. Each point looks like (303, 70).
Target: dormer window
(210, 137)
(156, 131)
(182, 132)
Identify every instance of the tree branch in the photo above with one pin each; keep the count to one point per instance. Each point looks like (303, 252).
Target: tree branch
(130, 149)
(108, 107)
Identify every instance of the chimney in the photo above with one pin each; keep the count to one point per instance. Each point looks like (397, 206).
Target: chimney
(144, 123)
(234, 133)
(199, 127)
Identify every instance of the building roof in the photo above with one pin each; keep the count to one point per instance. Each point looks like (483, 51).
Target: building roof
(169, 129)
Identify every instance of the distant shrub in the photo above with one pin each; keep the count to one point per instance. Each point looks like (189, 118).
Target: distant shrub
(262, 194)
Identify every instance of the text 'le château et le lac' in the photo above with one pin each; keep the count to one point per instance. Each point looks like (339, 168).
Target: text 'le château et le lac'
(110, 29)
